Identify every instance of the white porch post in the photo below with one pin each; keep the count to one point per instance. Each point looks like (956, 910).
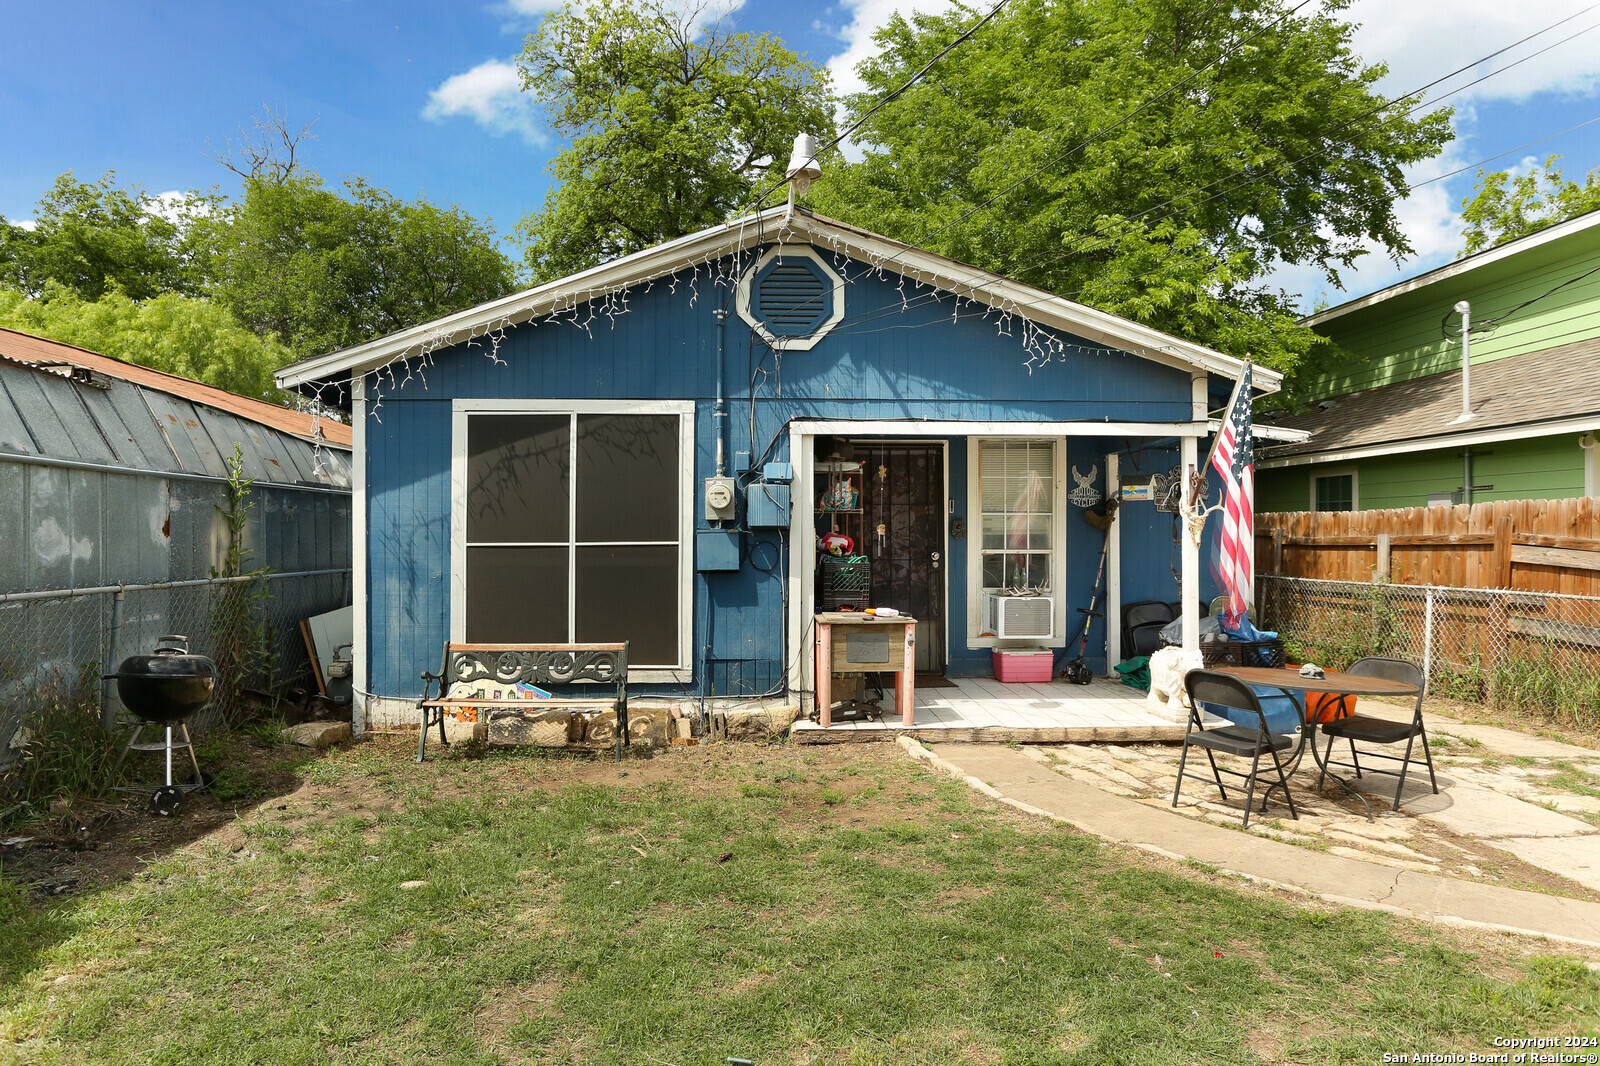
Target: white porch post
(1190, 554)
(802, 563)
(1189, 592)
(1113, 571)
(358, 553)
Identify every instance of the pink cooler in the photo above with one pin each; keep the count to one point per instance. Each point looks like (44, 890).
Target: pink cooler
(1023, 666)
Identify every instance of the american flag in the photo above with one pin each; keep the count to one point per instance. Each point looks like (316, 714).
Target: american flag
(1234, 460)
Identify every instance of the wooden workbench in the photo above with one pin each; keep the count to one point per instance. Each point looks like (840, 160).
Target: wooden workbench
(866, 644)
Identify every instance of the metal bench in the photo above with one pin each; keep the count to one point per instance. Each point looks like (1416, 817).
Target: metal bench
(501, 667)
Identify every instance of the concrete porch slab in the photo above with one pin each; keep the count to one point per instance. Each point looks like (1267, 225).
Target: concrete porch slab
(985, 711)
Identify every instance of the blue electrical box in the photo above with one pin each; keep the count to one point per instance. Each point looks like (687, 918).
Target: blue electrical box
(716, 549)
(778, 472)
(767, 505)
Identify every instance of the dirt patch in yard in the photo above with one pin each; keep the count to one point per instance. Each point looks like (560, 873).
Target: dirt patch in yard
(97, 842)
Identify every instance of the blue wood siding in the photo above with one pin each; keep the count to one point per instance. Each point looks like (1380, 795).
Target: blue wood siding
(408, 545)
(880, 363)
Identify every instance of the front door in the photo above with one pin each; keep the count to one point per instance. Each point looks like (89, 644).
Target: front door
(903, 510)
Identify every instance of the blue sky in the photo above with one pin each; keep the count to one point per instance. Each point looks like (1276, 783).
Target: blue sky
(419, 97)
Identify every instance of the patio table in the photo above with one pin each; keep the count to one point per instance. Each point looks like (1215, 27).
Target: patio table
(1333, 683)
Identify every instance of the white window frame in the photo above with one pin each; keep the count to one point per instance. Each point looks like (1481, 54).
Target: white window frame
(680, 672)
(1336, 471)
(1058, 543)
(791, 344)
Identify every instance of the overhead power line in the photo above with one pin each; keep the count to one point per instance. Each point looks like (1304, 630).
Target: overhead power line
(895, 309)
(890, 97)
(1104, 130)
(1080, 242)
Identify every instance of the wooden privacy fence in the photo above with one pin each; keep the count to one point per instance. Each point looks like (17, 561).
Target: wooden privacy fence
(1538, 545)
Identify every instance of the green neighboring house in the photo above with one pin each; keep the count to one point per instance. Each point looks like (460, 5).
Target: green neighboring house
(1388, 430)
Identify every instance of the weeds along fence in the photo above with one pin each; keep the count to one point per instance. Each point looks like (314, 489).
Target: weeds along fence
(249, 625)
(1515, 649)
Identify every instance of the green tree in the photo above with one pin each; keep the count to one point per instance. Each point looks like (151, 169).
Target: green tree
(297, 260)
(670, 127)
(1505, 207)
(93, 237)
(179, 334)
(1253, 150)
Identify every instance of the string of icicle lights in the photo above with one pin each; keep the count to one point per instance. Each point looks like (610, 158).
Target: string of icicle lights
(592, 306)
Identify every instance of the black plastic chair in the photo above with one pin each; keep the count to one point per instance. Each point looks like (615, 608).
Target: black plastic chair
(1371, 730)
(1244, 741)
(1142, 640)
(1141, 625)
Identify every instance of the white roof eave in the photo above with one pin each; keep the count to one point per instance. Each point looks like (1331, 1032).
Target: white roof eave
(982, 286)
(1459, 267)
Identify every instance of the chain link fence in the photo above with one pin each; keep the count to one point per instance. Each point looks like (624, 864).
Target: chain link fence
(1513, 649)
(249, 625)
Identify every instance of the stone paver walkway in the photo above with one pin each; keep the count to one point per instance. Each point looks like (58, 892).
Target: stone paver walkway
(1511, 841)
(1512, 809)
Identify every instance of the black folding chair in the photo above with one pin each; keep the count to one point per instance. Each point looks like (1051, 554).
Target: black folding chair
(1371, 730)
(1141, 626)
(1143, 640)
(1251, 740)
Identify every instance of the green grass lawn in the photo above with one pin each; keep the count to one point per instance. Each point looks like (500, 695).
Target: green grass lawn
(780, 905)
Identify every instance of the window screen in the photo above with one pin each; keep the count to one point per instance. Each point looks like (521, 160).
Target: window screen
(1017, 481)
(572, 531)
(1336, 492)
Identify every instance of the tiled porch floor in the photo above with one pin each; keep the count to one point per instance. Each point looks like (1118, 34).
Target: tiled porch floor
(982, 709)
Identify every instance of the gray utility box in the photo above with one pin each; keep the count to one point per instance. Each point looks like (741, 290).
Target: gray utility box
(716, 549)
(767, 505)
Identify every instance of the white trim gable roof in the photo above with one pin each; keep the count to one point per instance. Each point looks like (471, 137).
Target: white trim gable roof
(1460, 266)
(773, 225)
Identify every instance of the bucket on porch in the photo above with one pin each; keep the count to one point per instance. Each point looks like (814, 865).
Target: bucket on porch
(1023, 666)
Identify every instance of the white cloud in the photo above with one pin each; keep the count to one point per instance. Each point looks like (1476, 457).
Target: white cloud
(866, 17)
(173, 205)
(491, 95)
(28, 224)
(1425, 39)
(1422, 40)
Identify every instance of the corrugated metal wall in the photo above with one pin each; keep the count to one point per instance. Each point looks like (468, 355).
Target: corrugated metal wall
(915, 364)
(113, 484)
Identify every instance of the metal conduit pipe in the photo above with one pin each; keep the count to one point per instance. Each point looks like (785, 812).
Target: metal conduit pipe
(101, 590)
(720, 412)
(182, 475)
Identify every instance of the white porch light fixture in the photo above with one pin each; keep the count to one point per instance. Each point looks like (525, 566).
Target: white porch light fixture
(803, 168)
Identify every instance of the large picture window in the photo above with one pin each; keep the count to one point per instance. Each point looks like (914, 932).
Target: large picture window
(1017, 479)
(572, 528)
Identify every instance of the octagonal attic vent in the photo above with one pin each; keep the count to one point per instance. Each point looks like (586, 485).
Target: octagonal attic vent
(791, 297)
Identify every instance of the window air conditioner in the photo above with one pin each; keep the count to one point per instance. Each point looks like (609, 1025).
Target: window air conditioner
(1010, 617)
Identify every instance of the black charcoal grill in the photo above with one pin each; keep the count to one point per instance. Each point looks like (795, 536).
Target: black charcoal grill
(163, 690)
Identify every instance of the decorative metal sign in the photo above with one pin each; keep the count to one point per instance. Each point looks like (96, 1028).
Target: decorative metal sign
(1084, 493)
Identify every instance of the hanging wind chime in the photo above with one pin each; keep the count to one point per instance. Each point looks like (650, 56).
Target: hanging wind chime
(883, 527)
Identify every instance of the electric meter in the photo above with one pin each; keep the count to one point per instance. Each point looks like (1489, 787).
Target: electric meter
(719, 499)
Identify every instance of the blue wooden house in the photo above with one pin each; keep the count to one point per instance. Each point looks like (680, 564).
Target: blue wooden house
(650, 451)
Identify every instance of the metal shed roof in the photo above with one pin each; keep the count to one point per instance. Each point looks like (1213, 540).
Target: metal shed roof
(64, 403)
